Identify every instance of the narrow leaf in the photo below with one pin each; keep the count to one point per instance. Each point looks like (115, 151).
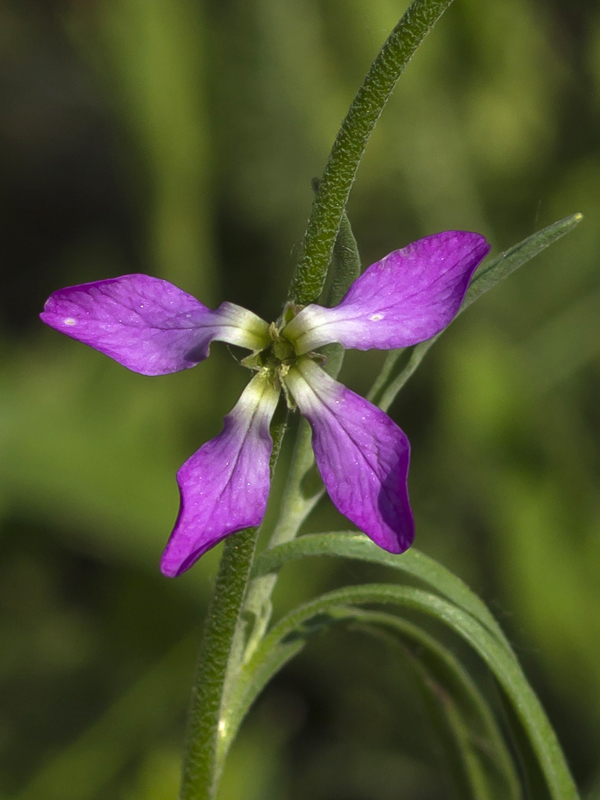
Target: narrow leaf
(468, 728)
(268, 658)
(488, 276)
(506, 263)
(412, 562)
(501, 662)
(475, 749)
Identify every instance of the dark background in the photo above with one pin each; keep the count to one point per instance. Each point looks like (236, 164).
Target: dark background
(178, 138)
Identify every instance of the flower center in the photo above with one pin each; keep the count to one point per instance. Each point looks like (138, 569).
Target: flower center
(275, 360)
(281, 348)
(279, 355)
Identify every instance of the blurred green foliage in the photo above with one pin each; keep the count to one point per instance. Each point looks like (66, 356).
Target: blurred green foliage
(179, 137)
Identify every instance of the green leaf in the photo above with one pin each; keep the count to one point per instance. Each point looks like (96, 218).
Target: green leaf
(500, 661)
(386, 387)
(508, 262)
(386, 374)
(476, 753)
(268, 658)
(413, 563)
(391, 391)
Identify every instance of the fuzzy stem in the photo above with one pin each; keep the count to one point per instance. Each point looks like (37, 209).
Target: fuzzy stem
(200, 773)
(219, 656)
(350, 144)
(205, 706)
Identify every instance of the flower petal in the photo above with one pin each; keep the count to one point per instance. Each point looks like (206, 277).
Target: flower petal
(408, 297)
(224, 486)
(149, 325)
(362, 456)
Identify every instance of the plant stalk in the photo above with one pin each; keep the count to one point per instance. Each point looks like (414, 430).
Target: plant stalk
(350, 144)
(217, 653)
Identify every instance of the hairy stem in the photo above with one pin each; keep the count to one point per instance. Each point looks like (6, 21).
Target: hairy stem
(350, 144)
(224, 635)
(205, 707)
(200, 773)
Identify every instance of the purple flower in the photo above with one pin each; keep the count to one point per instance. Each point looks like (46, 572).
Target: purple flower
(152, 327)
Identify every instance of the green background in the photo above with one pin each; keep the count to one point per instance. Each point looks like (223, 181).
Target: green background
(178, 138)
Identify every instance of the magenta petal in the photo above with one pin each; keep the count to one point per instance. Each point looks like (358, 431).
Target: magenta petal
(149, 325)
(224, 486)
(362, 456)
(408, 297)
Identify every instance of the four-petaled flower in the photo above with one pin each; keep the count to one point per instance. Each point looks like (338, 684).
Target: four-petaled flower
(152, 327)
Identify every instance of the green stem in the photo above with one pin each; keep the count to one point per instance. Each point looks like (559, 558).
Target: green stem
(223, 643)
(299, 498)
(205, 707)
(417, 355)
(350, 144)
(218, 651)
(296, 506)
